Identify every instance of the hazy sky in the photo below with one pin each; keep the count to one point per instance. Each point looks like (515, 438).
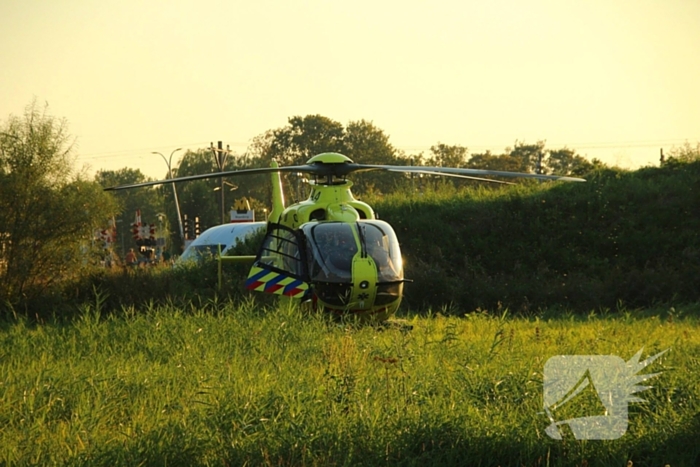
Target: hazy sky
(613, 79)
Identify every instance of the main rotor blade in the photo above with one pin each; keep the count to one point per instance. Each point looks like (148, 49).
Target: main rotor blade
(342, 169)
(460, 171)
(426, 172)
(229, 173)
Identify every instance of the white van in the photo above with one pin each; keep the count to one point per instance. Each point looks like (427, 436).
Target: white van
(225, 235)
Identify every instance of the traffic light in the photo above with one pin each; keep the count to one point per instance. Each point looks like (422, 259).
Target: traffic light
(186, 226)
(196, 227)
(152, 234)
(136, 226)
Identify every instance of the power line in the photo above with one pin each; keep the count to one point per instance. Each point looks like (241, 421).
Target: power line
(589, 145)
(117, 152)
(631, 144)
(145, 151)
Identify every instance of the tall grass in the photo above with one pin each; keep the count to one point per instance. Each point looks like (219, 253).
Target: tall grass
(225, 384)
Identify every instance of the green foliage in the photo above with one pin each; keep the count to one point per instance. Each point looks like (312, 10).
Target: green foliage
(198, 198)
(630, 236)
(365, 143)
(488, 161)
(47, 213)
(218, 384)
(685, 153)
(202, 198)
(566, 162)
(446, 155)
(189, 284)
(235, 275)
(307, 136)
(529, 157)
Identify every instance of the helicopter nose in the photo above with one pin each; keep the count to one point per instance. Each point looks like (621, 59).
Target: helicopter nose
(364, 290)
(355, 295)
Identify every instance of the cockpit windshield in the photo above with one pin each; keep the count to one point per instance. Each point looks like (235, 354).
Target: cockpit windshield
(332, 246)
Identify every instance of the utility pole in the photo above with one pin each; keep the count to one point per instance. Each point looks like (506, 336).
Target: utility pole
(220, 157)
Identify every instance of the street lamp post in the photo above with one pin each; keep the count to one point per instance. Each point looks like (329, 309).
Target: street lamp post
(177, 203)
(220, 157)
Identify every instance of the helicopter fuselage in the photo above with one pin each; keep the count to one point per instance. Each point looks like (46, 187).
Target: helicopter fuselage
(332, 250)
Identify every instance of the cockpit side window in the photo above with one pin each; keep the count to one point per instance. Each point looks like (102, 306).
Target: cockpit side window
(381, 245)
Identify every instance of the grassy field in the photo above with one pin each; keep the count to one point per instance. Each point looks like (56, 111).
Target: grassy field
(149, 367)
(242, 385)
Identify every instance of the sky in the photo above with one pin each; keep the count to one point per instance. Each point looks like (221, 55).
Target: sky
(612, 79)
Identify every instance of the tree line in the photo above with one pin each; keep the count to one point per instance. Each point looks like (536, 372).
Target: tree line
(299, 140)
(49, 210)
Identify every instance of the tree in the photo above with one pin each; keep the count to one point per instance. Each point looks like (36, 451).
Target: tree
(298, 141)
(47, 212)
(305, 137)
(685, 153)
(566, 162)
(488, 161)
(256, 188)
(526, 157)
(530, 156)
(366, 144)
(445, 155)
(198, 198)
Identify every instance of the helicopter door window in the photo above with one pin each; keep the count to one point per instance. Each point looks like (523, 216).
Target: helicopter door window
(331, 249)
(280, 250)
(381, 244)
